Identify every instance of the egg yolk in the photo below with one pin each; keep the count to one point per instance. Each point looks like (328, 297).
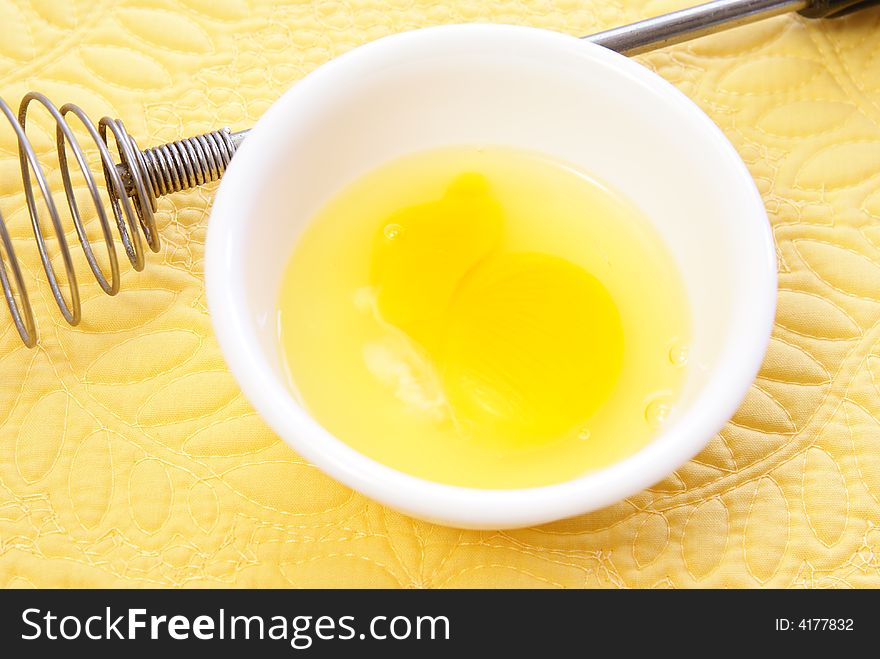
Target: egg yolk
(526, 345)
(422, 254)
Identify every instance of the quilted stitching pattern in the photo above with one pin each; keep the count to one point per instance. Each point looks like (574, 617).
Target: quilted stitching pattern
(128, 456)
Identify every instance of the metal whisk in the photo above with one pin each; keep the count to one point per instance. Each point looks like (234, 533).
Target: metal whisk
(133, 185)
(141, 177)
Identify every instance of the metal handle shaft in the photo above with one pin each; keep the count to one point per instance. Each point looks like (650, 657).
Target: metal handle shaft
(692, 23)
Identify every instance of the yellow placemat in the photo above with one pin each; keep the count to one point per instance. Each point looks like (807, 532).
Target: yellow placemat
(128, 456)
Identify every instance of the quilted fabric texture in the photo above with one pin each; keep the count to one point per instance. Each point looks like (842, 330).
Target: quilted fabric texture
(128, 456)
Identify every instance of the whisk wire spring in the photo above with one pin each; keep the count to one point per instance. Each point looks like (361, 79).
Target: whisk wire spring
(133, 185)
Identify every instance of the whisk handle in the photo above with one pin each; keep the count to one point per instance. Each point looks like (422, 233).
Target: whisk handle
(835, 8)
(712, 17)
(692, 23)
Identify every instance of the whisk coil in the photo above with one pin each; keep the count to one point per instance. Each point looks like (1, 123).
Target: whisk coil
(133, 186)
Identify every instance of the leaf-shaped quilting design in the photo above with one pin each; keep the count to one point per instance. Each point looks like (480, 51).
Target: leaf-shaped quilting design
(179, 557)
(191, 396)
(768, 75)
(150, 494)
(223, 10)
(39, 444)
(125, 67)
(669, 485)
(17, 43)
(145, 356)
(872, 233)
(799, 402)
(864, 433)
(165, 29)
(62, 13)
(842, 269)
(16, 362)
(717, 454)
(810, 117)
(36, 452)
(203, 505)
(133, 307)
(790, 364)
(813, 316)
(871, 205)
(825, 496)
(242, 435)
(872, 362)
(766, 532)
(705, 537)
(824, 170)
(749, 445)
(288, 487)
(762, 412)
(650, 540)
(90, 481)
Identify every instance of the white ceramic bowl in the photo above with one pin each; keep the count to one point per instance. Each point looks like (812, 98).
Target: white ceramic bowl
(522, 87)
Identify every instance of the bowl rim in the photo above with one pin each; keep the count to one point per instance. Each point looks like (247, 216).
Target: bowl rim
(468, 507)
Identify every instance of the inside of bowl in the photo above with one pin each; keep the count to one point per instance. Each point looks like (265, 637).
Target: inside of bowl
(563, 101)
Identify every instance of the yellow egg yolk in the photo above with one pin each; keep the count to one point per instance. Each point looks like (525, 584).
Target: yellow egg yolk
(526, 345)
